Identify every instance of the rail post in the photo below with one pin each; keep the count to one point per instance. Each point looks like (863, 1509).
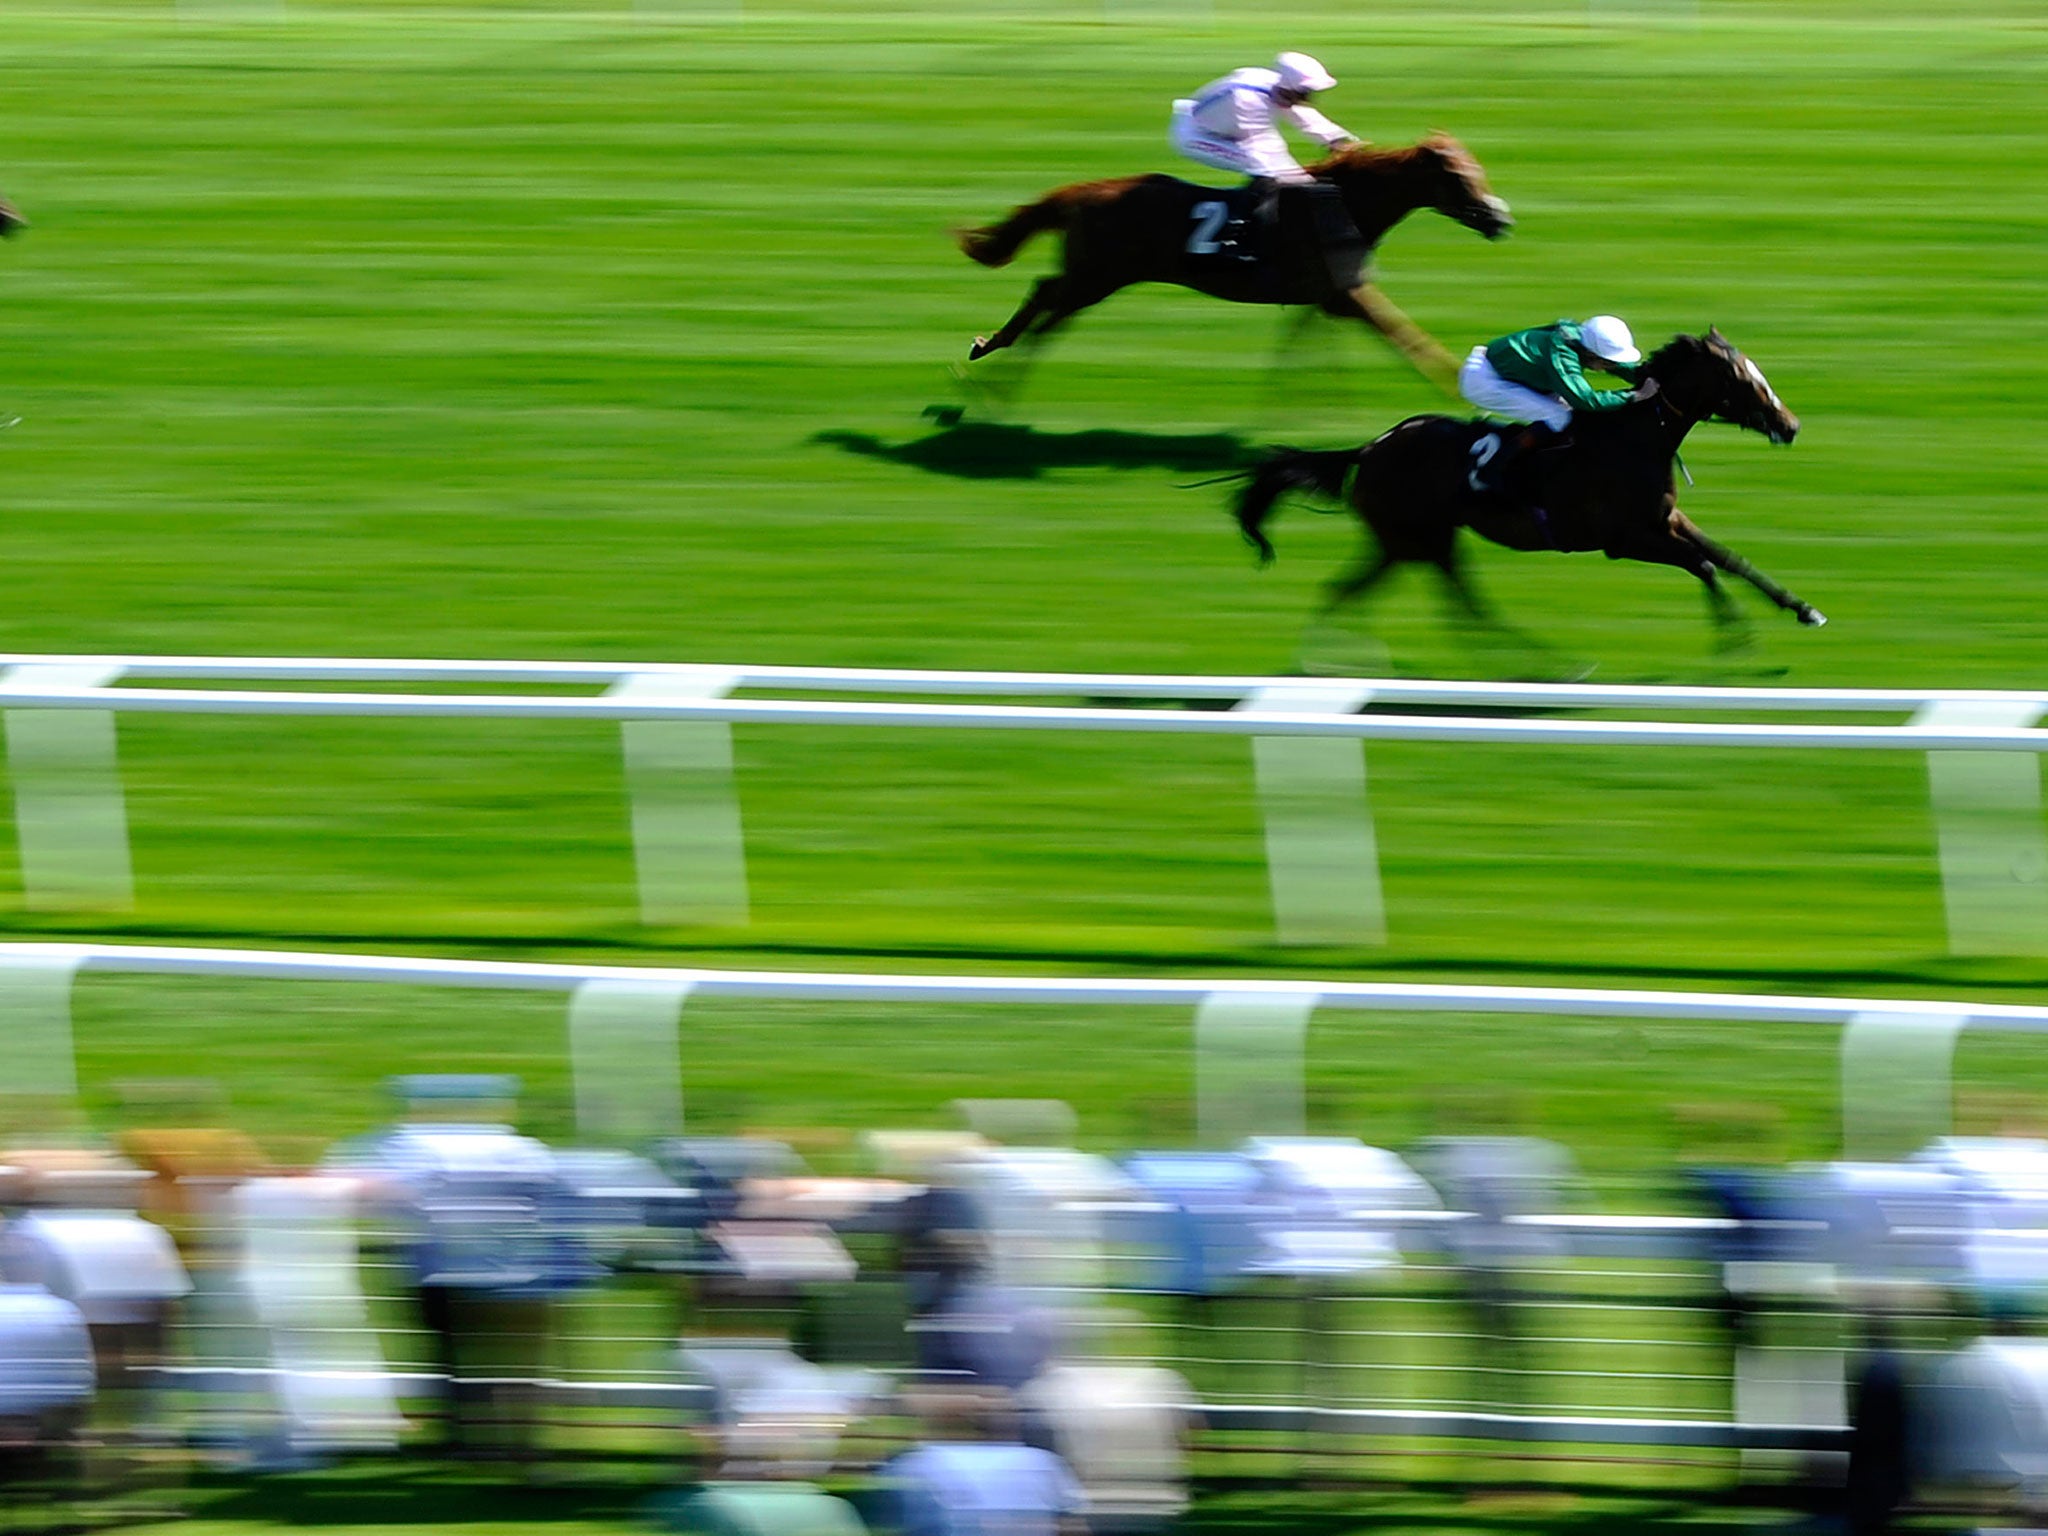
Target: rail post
(689, 847)
(69, 816)
(35, 1021)
(1251, 1076)
(625, 1060)
(1897, 1071)
(1322, 860)
(1987, 822)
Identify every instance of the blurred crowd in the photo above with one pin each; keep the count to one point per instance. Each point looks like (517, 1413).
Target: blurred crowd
(969, 1336)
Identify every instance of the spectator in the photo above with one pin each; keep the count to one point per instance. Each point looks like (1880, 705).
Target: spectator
(973, 1475)
(491, 1238)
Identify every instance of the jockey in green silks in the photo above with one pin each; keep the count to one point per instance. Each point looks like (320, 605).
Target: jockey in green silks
(1538, 376)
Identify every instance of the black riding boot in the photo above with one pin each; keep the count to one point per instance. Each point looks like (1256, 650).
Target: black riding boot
(1342, 246)
(1489, 472)
(1252, 236)
(1265, 201)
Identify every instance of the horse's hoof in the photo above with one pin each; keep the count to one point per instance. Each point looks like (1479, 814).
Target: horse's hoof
(1812, 618)
(979, 350)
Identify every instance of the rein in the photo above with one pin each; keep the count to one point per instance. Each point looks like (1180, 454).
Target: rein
(1667, 414)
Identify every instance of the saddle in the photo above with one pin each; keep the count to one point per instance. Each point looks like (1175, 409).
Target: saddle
(1512, 485)
(1262, 224)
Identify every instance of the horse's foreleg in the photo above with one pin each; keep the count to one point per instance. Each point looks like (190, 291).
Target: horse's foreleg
(1667, 546)
(1726, 559)
(1731, 630)
(1285, 364)
(1473, 608)
(1411, 340)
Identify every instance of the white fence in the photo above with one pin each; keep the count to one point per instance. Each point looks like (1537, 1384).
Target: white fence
(623, 1023)
(676, 723)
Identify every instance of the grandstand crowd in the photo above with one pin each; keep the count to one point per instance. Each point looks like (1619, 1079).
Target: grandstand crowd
(978, 1332)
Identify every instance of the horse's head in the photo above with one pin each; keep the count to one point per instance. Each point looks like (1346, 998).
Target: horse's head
(1708, 377)
(1458, 188)
(1438, 173)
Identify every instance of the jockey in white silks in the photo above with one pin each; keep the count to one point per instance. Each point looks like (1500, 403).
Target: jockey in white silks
(1230, 123)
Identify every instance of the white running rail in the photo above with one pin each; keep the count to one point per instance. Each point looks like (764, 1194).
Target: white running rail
(623, 1020)
(676, 721)
(1080, 991)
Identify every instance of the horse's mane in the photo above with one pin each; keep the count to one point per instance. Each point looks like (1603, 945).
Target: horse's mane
(1370, 159)
(1680, 349)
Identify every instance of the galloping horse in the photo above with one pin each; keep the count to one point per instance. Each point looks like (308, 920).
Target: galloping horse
(1158, 229)
(1608, 487)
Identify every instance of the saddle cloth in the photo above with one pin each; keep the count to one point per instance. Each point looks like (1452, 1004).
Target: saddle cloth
(1263, 227)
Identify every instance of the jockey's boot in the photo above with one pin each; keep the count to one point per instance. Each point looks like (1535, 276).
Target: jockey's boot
(1265, 200)
(1252, 235)
(1489, 472)
(1337, 237)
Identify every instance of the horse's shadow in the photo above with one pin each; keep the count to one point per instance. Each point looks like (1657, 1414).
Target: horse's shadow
(990, 450)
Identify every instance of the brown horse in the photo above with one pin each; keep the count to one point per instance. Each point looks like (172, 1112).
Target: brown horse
(1158, 229)
(1607, 486)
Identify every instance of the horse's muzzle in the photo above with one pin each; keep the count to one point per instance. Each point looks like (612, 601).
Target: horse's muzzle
(1492, 218)
(1782, 432)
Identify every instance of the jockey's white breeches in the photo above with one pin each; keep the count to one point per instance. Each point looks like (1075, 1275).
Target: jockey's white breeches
(1259, 154)
(1484, 387)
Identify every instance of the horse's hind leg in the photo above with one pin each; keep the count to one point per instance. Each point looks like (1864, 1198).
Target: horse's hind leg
(1491, 635)
(1035, 304)
(1051, 303)
(1328, 648)
(1370, 571)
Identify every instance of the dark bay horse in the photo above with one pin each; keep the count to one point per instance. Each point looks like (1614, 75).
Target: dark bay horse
(1608, 487)
(1159, 229)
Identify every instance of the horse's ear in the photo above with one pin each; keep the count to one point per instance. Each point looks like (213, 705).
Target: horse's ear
(1714, 335)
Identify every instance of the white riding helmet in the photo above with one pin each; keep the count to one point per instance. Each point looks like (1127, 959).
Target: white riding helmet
(1605, 336)
(1299, 72)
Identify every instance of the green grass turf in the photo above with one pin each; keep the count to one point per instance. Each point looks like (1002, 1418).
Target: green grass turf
(553, 332)
(549, 331)
(540, 333)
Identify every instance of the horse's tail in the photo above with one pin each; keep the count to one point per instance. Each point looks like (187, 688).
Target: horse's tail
(1281, 471)
(996, 245)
